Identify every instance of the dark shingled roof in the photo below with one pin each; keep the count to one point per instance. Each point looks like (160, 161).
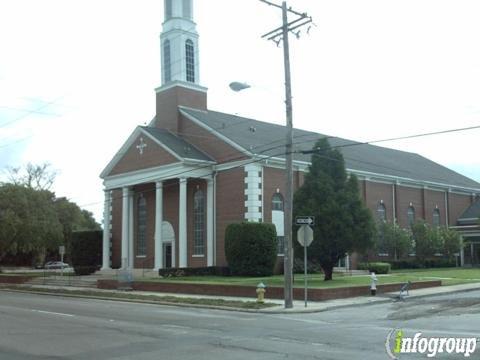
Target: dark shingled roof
(471, 215)
(178, 145)
(267, 139)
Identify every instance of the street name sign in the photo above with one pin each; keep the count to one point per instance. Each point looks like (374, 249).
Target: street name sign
(305, 220)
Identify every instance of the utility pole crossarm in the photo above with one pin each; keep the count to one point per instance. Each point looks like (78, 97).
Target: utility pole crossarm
(281, 7)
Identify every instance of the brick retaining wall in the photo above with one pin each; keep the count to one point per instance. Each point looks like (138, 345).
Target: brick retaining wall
(272, 292)
(12, 279)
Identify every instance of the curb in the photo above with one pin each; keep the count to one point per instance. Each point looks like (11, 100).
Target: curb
(140, 301)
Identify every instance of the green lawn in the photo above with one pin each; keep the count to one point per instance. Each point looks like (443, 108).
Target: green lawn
(448, 276)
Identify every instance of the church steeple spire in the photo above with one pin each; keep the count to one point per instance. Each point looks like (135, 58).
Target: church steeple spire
(179, 44)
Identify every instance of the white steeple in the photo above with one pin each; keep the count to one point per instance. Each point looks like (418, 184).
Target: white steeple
(179, 44)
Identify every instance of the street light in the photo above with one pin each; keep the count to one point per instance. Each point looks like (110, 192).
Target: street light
(238, 86)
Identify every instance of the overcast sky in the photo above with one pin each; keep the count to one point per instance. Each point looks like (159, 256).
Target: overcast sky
(77, 76)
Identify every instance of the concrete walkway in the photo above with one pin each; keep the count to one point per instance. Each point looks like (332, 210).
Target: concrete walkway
(298, 306)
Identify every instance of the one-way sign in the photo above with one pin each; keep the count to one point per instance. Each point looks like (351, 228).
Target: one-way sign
(305, 220)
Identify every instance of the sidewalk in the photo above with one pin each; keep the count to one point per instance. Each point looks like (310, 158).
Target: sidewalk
(298, 306)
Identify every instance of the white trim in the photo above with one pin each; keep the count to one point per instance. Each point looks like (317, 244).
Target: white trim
(161, 173)
(275, 162)
(140, 256)
(198, 256)
(158, 261)
(182, 223)
(184, 84)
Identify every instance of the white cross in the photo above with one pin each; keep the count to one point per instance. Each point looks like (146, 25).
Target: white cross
(142, 146)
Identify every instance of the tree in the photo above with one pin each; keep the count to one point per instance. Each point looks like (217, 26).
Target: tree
(424, 239)
(73, 219)
(38, 177)
(393, 240)
(342, 223)
(28, 221)
(452, 242)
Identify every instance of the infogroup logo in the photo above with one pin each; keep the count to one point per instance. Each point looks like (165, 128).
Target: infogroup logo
(397, 343)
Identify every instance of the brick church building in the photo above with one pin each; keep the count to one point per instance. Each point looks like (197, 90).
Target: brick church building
(175, 185)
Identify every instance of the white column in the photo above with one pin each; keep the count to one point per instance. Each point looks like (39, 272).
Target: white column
(130, 229)
(158, 226)
(182, 224)
(106, 231)
(210, 205)
(125, 225)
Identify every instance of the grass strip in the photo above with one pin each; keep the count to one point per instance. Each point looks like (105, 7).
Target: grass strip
(252, 305)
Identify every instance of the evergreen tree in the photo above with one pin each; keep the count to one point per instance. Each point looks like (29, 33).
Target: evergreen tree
(342, 223)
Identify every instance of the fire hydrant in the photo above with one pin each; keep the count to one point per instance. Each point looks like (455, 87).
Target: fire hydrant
(373, 284)
(261, 293)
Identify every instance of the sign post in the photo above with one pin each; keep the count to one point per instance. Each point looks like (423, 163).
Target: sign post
(305, 238)
(61, 250)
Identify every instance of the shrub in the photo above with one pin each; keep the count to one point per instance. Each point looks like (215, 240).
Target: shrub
(86, 251)
(376, 267)
(199, 271)
(415, 264)
(313, 267)
(251, 248)
(405, 264)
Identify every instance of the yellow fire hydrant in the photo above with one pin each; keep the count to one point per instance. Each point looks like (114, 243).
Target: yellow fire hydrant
(261, 293)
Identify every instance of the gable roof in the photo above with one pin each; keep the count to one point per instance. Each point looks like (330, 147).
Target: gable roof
(174, 145)
(179, 146)
(471, 216)
(262, 138)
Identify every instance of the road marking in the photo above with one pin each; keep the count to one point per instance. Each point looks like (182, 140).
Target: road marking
(52, 313)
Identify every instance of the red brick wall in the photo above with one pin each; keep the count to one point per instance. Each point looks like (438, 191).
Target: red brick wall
(230, 201)
(375, 193)
(405, 196)
(457, 204)
(153, 155)
(432, 199)
(168, 102)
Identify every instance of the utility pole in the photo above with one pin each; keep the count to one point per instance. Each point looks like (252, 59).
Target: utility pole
(278, 35)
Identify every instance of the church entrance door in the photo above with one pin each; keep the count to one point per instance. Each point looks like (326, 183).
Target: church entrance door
(167, 255)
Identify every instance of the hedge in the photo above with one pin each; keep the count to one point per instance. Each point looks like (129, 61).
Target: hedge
(251, 248)
(427, 264)
(86, 251)
(376, 267)
(199, 271)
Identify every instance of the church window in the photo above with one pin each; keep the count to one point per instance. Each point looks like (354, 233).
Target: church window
(187, 9)
(167, 66)
(411, 216)
(190, 60)
(277, 220)
(381, 213)
(142, 226)
(277, 202)
(436, 218)
(168, 9)
(199, 223)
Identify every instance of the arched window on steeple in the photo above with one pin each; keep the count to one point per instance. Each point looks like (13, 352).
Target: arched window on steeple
(190, 60)
(167, 62)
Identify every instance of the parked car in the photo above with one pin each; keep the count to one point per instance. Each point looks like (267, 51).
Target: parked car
(56, 265)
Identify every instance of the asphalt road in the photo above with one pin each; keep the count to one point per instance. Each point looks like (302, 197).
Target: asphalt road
(46, 327)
